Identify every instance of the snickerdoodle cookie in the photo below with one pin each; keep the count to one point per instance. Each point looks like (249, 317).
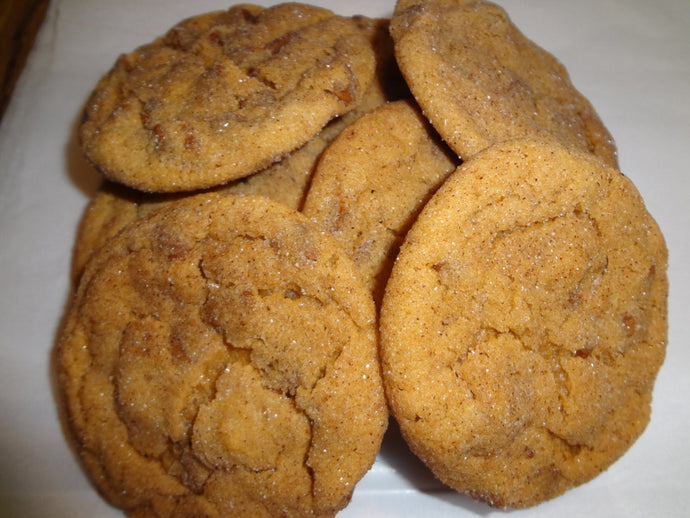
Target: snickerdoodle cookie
(481, 81)
(219, 358)
(224, 94)
(524, 323)
(371, 182)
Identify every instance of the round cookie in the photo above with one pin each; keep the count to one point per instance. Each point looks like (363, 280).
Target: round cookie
(481, 81)
(524, 323)
(219, 359)
(177, 114)
(288, 181)
(371, 182)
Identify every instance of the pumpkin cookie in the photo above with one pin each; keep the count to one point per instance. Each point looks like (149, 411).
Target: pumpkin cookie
(524, 323)
(219, 359)
(481, 81)
(371, 182)
(178, 113)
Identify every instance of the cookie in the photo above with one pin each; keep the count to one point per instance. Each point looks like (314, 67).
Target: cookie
(372, 180)
(178, 114)
(219, 358)
(481, 81)
(524, 323)
(288, 180)
(115, 205)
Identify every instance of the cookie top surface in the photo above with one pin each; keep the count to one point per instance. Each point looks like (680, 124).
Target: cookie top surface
(219, 359)
(114, 205)
(524, 323)
(481, 81)
(176, 114)
(371, 182)
(288, 180)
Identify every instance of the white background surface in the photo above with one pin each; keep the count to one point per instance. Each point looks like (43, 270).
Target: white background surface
(631, 58)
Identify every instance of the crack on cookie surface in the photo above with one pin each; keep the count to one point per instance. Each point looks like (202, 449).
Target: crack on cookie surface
(521, 325)
(160, 120)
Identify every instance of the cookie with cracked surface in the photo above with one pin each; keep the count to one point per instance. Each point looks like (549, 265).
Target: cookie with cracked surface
(288, 181)
(481, 81)
(524, 323)
(371, 182)
(219, 359)
(176, 114)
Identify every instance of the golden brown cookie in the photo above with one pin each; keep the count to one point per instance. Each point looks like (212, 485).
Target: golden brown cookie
(524, 323)
(219, 359)
(287, 181)
(112, 208)
(387, 85)
(371, 182)
(223, 95)
(481, 81)
(114, 205)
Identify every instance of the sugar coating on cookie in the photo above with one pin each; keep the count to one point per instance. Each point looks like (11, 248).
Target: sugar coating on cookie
(481, 81)
(219, 359)
(111, 208)
(224, 94)
(114, 205)
(286, 180)
(372, 181)
(524, 323)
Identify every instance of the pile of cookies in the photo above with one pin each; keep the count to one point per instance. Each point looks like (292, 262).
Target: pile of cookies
(309, 221)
